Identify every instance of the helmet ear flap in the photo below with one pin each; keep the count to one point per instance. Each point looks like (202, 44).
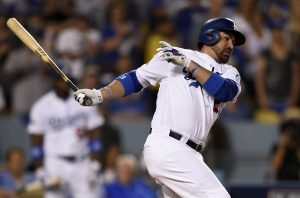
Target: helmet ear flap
(212, 36)
(208, 37)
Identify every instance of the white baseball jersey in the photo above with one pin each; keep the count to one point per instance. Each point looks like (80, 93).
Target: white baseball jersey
(64, 124)
(182, 104)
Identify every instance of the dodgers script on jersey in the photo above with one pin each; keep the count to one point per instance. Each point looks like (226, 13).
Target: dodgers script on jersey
(196, 110)
(64, 124)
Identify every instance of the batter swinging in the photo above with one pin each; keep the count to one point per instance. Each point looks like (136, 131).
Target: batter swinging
(194, 88)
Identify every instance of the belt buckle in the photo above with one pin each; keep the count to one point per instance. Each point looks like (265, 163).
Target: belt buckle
(199, 147)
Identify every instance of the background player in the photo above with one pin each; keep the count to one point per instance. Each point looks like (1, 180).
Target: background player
(194, 88)
(64, 136)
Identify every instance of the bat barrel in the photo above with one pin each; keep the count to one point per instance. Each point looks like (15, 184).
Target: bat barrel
(32, 44)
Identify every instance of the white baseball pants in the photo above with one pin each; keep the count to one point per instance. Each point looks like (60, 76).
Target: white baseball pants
(179, 169)
(74, 178)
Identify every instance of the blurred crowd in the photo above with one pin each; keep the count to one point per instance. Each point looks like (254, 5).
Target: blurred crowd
(121, 178)
(94, 41)
(100, 39)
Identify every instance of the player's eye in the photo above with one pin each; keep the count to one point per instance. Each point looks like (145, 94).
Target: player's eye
(233, 41)
(228, 38)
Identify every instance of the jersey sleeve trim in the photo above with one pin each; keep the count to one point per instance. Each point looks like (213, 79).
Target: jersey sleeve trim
(37, 152)
(224, 90)
(130, 82)
(95, 146)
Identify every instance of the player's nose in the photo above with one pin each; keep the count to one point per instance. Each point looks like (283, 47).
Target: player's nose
(230, 44)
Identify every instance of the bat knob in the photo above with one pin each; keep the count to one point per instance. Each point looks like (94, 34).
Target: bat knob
(87, 101)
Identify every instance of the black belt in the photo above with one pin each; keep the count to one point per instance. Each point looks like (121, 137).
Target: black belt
(190, 143)
(71, 158)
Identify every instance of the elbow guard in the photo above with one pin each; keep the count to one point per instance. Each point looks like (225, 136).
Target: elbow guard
(130, 82)
(95, 146)
(224, 90)
(37, 152)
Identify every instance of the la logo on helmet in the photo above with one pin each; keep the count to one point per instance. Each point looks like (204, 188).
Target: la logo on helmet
(235, 26)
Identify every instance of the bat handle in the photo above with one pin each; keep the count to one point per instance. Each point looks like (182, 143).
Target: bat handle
(86, 101)
(71, 85)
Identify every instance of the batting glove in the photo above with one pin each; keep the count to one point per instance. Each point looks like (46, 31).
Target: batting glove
(88, 97)
(169, 53)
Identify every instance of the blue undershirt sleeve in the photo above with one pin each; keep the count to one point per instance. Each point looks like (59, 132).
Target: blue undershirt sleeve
(37, 152)
(95, 146)
(223, 90)
(130, 82)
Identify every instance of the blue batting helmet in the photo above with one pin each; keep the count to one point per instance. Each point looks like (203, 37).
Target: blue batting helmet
(210, 31)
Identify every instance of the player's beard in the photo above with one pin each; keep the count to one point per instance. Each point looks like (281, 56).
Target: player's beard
(223, 56)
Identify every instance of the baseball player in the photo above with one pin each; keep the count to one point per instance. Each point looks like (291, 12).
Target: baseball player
(194, 88)
(65, 138)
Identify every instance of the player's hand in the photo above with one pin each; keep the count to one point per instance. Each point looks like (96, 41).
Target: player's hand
(40, 173)
(94, 95)
(169, 53)
(93, 174)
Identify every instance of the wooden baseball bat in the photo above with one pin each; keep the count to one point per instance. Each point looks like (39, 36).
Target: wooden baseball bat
(32, 44)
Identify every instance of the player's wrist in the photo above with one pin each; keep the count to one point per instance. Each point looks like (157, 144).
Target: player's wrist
(192, 65)
(106, 93)
(98, 96)
(187, 62)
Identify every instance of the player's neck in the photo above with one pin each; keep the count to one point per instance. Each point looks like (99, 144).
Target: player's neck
(209, 52)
